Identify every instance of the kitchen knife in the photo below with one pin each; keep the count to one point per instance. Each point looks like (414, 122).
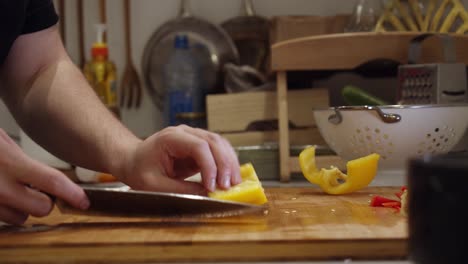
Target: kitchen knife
(117, 199)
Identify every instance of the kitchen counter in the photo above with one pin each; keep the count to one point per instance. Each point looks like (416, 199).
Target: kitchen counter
(345, 261)
(301, 223)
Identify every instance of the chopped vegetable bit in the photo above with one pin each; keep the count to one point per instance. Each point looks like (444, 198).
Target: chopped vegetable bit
(361, 172)
(392, 204)
(404, 202)
(380, 201)
(250, 190)
(106, 177)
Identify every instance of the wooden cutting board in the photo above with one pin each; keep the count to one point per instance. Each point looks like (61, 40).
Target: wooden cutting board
(300, 224)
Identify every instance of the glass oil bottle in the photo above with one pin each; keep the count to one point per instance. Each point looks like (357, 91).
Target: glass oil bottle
(101, 73)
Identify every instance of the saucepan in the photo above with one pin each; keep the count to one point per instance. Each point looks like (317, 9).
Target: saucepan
(209, 43)
(250, 34)
(396, 132)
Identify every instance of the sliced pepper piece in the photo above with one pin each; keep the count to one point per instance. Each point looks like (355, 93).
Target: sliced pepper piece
(250, 190)
(106, 177)
(392, 204)
(378, 201)
(360, 171)
(400, 193)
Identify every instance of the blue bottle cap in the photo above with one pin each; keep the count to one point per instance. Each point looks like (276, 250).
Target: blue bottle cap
(181, 42)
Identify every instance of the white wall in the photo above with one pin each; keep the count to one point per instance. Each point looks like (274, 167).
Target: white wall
(147, 16)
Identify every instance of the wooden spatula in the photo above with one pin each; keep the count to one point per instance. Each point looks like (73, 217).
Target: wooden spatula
(130, 88)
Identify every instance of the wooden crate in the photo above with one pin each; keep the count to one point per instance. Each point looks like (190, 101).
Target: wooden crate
(231, 114)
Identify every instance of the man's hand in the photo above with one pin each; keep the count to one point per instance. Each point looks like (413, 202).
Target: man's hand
(163, 161)
(24, 182)
(41, 85)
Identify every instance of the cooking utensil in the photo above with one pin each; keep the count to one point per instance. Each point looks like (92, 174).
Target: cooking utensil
(244, 78)
(432, 15)
(396, 132)
(130, 88)
(432, 83)
(81, 49)
(250, 34)
(117, 199)
(103, 17)
(61, 11)
(210, 44)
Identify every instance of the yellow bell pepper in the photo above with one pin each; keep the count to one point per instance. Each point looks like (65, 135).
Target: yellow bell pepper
(360, 171)
(250, 190)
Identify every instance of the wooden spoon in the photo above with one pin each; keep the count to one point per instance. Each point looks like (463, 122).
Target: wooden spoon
(61, 11)
(81, 49)
(103, 17)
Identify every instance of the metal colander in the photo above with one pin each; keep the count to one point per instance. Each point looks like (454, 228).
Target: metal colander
(396, 133)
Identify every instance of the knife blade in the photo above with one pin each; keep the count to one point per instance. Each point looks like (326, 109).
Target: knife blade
(119, 200)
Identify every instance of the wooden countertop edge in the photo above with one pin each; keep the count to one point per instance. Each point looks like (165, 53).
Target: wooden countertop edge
(210, 251)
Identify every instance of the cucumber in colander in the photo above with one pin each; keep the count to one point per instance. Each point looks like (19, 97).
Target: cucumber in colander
(353, 95)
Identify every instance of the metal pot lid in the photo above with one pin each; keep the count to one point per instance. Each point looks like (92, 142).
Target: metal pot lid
(209, 44)
(251, 35)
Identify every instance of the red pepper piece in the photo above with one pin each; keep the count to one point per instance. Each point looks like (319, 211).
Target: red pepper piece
(399, 194)
(378, 201)
(392, 204)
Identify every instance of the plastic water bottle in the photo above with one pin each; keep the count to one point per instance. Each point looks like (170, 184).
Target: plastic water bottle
(185, 99)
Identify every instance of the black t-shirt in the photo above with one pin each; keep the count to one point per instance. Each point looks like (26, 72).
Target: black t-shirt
(21, 17)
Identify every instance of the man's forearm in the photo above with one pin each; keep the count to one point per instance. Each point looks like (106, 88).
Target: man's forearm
(61, 112)
(52, 102)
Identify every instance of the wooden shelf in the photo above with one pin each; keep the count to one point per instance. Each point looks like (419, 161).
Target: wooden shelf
(349, 50)
(344, 51)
